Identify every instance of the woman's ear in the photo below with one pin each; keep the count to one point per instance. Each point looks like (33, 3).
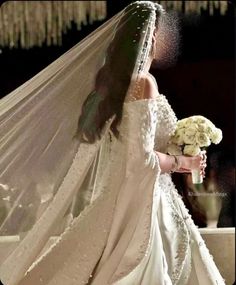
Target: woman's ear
(153, 39)
(155, 32)
(154, 36)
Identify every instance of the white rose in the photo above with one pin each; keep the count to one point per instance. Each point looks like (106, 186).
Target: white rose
(191, 150)
(202, 139)
(202, 128)
(200, 119)
(181, 123)
(174, 149)
(216, 136)
(189, 121)
(205, 128)
(189, 134)
(210, 125)
(178, 137)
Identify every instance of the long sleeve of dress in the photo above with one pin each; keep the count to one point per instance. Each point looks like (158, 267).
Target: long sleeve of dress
(140, 142)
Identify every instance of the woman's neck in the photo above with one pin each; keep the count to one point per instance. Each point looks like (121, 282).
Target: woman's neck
(148, 64)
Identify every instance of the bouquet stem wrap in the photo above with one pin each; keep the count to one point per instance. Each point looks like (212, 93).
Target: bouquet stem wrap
(196, 176)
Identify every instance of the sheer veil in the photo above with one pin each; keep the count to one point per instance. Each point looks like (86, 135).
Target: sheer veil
(49, 175)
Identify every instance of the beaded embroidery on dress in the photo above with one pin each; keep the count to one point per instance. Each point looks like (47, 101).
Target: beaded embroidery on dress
(140, 232)
(162, 247)
(146, 235)
(170, 255)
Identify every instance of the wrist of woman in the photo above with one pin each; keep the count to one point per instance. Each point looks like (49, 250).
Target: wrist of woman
(176, 164)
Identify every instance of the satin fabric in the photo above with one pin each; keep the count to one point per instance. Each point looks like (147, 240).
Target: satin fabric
(138, 231)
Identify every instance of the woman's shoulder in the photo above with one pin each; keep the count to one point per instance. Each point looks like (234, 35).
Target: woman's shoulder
(150, 88)
(143, 87)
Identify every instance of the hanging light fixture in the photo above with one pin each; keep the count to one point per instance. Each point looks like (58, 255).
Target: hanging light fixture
(197, 7)
(32, 23)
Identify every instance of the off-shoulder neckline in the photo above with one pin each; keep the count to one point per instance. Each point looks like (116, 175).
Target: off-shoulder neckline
(145, 99)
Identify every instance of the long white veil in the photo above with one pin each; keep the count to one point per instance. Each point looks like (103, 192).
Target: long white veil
(47, 175)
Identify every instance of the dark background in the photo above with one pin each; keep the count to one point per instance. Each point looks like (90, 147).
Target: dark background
(202, 81)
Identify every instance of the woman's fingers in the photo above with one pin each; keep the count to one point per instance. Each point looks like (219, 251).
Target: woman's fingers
(203, 155)
(198, 162)
(183, 170)
(195, 162)
(203, 163)
(202, 171)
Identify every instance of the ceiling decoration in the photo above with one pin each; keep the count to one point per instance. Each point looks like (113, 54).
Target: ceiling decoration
(32, 23)
(197, 7)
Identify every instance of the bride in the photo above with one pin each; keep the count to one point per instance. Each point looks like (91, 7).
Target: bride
(104, 209)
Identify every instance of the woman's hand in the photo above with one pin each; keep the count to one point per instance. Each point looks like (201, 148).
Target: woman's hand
(188, 163)
(185, 163)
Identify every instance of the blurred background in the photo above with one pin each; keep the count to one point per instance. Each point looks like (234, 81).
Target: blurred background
(35, 33)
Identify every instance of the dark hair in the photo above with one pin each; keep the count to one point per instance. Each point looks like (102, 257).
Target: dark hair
(113, 79)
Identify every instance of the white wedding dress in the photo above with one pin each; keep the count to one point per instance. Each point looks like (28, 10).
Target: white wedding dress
(138, 231)
(176, 253)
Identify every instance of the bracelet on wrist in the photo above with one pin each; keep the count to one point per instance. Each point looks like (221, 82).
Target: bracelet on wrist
(176, 164)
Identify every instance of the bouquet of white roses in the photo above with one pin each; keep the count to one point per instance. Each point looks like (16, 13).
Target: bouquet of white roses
(191, 135)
